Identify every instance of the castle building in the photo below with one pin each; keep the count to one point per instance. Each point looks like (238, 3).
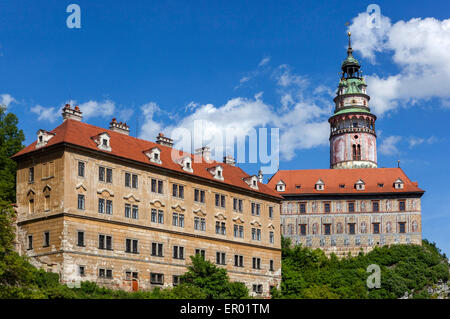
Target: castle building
(97, 204)
(353, 205)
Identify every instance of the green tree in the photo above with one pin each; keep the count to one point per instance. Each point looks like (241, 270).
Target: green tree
(11, 139)
(212, 280)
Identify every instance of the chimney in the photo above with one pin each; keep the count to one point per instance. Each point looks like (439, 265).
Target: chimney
(162, 140)
(229, 160)
(204, 152)
(73, 114)
(119, 127)
(260, 176)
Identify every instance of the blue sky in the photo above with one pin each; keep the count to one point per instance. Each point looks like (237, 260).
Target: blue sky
(159, 65)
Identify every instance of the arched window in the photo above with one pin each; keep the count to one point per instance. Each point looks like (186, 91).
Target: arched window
(358, 152)
(354, 151)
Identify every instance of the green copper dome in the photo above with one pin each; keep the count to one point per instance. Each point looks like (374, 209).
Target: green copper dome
(350, 60)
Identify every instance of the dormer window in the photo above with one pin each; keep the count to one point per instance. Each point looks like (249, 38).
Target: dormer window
(252, 181)
(103, 141)
(341, 185)
(398, 184)
(154, 154)
(360, 185)
(43, 137)
(217, 172)
(186, 164)
(281, 186)
(320, 185)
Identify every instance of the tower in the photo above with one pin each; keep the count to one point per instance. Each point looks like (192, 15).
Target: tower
(353, 142)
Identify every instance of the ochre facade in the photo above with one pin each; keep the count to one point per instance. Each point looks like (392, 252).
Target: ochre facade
(49, 210)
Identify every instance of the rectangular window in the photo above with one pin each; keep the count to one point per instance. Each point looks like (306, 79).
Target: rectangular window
(127, 180)
(270, 212)
(157, 186)
(156, 279)
(154, 216)
(200, 252)
(81, 271)
(303, 208)
(256, 263)
(160, 187)
(375, 206)
(135, 212)
(135, 182)
(80, 241)
(221, 228)
(174, 219)
(238, 231)
(109, 175)
(257, 289)
(30, 242)
(402, 227)
(238, 261)
(101, 174)
(327, 207)
(256, 209)
(220, 258)
(105, 273)
(196, 223)
(177, 280)
(81, 169)
(80, 201)
(351, 228)
(31, 175)
(131, 246)
(351, 207)
(105, 242)
(303, 229)
(327, 229)
(160, 216)
(220, 200)
(127, 210)
(101, 205)
(178, 252)
(199, 196)
(271, 237)
(237, 204)
(401, 205)
(157, 249)
(109, 207)
(271, 267)
(202, 224)
(178, 191)
(376, 228)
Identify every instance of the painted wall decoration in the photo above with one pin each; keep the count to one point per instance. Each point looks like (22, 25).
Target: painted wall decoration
(363, 228)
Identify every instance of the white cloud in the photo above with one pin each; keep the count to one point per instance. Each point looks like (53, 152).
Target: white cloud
(97, 109)
(389, 145)
(49, 114)
(6, 100)
(420, 49)
(414, 141)
(286, 78)
(264, 61)
(150, 129)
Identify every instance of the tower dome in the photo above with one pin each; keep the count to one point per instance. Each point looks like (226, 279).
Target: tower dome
(352, 126)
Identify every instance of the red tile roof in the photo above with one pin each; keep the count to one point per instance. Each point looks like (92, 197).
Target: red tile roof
(80, 134)
(332, 178)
